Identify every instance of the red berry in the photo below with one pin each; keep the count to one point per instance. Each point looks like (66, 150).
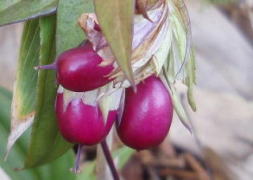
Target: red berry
(79, 69)
(81, 123)
(147, 115)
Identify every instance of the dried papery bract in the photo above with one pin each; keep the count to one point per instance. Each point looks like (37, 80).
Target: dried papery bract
(147, 38)
(143, 6)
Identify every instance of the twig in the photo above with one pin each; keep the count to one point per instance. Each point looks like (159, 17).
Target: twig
(109, 160)
(179, 173)
(203, 175)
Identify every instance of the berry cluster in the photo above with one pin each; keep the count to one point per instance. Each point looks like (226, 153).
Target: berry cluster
(146, 116)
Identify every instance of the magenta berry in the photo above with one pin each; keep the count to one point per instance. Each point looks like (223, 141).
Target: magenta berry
(147, 115)
(81, 123)
(79, 69)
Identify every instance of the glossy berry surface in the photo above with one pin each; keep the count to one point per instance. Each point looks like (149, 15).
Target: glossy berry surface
(147, 115)
(81, 123)
(79, 69)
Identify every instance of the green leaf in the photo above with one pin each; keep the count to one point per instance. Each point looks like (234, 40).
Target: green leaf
(88, 173)
(46, 143)
(181, 59)
(68, 33)
(23, 105)
(123, 154)
(179, 108)
(177, 104)
(16, 157)
(7, 3)
(58, 169)
(190, 81)
(116, 20)
(20, 10)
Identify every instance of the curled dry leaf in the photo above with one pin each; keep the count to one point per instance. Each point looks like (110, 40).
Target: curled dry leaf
(162, 42)
(143, 6)
(147, 39)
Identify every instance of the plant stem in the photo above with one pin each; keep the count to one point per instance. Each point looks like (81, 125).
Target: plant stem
(109, 160)
(78, 157)
(49, 66)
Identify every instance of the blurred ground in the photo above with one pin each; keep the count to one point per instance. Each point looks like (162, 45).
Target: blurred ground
(224, 93)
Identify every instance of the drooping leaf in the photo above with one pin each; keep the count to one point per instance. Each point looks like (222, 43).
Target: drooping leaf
(20, 10)
(46, 143)
(179, 108)
(182, 31)
(163, 52)
(190, 81)
(181, 60)
(177, 104)
(69, 34)
(23, 104)
(183, 49)
(16, 157)
(116, 20)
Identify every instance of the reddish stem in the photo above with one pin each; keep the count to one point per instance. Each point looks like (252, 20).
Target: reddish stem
(109, 160)
(78, 157)
(49, 66)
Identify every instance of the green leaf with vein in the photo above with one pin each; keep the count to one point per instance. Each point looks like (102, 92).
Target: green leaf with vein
(68, 33)
(20, 10)
(181, 46)
(46, 143)
(116, 20)
(23, 104)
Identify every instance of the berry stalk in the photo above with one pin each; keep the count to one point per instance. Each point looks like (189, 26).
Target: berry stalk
(109, 160)
(76, 168)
